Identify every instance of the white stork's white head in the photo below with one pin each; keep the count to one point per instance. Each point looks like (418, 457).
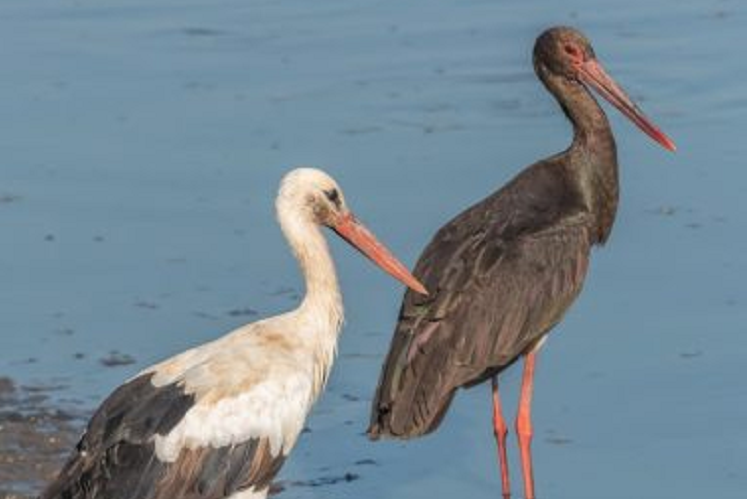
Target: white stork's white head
(312, 195)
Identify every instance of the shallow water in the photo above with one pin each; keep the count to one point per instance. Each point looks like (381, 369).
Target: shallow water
(143, 143)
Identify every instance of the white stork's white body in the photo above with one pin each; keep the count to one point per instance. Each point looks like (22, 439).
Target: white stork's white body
(248, 372)
(218, 420)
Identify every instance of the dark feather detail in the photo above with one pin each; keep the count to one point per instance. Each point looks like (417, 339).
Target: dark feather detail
(501, 275)
(116, 458)
(214, 473)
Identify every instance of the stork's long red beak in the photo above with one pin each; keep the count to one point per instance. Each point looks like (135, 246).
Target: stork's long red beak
(593, 73)
(355, 233)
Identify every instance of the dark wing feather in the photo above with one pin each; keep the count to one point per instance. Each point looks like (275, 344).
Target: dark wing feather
(218, 472)
(501, 274)
(116, 458)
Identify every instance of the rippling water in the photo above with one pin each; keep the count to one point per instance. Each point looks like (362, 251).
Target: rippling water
(142, 146)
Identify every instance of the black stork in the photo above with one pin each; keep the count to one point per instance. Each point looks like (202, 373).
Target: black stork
(503, 272)
(218, 420)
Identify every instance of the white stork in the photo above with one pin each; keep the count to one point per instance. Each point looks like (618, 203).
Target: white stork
(218, 420)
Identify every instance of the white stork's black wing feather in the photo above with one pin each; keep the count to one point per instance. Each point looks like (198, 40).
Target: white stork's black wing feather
(500, 275)
(116, 457)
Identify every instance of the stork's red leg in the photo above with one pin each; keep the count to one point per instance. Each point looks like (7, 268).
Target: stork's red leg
(524, 425)
(501, 430)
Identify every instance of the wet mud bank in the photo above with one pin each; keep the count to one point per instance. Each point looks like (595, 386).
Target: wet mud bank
(35, 437)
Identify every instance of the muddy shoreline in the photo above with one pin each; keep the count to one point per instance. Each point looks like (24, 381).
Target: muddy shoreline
(35, 437)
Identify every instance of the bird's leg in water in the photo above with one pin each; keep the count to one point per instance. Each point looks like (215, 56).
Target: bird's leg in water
(500, 430)
(524, 425)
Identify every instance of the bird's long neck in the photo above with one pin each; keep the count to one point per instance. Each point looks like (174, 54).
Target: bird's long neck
(322, 307)
(593, 153)
(320, 315)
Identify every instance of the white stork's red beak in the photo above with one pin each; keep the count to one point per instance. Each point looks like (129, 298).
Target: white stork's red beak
(354, 232)
(592, 73)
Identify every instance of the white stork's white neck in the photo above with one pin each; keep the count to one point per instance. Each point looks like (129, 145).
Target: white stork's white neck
(322, 304)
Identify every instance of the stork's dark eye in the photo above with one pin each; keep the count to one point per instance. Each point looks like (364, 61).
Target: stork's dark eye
(571, 50)
(333, 196)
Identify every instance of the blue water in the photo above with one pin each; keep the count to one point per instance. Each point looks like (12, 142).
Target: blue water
(142, 146)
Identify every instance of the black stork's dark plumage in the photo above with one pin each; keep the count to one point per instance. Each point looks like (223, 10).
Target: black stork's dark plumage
(503, 273)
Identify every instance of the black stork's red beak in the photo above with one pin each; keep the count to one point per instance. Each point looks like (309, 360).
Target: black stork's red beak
(354, 232)
(593, 74)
